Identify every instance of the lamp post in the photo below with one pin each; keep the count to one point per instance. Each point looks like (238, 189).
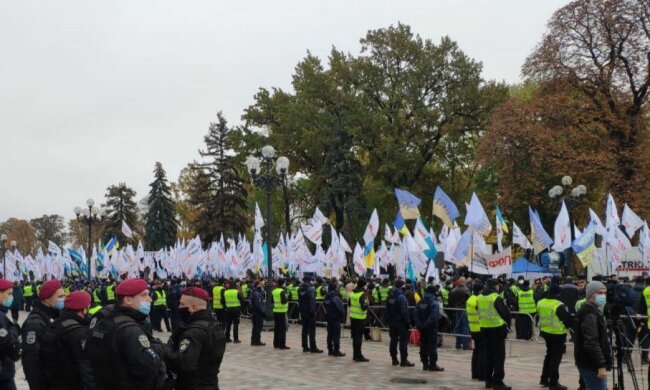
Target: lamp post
(571, 197)
(263, 177)
(89, 216)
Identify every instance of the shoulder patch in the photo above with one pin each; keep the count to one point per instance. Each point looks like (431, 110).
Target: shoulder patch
(3, 332)
(30, 337)
(144, 341)
(93, 322)
(185, 343)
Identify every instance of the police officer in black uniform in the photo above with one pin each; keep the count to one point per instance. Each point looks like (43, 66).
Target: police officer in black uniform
(257, 313)
(123, 354)
(195, 350)
(397, 313)
(307, 304)
(9, 340)
(427, 315)
(51, 301)
(335, 315)
(65, 364)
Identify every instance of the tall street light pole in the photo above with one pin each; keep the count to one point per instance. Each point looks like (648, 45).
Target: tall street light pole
(3, 250)
(263, 177)
(571, 197)
(89, 216)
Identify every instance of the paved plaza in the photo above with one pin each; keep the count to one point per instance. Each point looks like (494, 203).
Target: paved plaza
(247, 367)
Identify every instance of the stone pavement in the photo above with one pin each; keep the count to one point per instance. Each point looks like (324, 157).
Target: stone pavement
(247, 367)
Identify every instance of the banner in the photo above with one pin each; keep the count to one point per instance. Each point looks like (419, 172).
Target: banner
(500, 263)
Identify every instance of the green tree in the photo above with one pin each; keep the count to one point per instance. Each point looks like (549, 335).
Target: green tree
(161, 225)
(218, 194)
(120, 206)
(49, 228)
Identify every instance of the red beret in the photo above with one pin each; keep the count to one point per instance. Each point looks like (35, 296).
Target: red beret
(77, 300)
(131, 287)
(5, 284)
(197, 292)
(49, 288)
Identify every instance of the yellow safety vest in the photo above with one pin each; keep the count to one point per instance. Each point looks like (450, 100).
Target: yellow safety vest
(526, 301)
(581, 301)
(383, 293)
(94, 310)
(549, 322)
(231, 298)
(319, 294)
(67, 291)
(216, 297)
(96, 295)
(344, 293)
(244, 290)
(293, 293)
(488, 315)
(445, 296)
(646, 296)
(472, 314)
(356, 311)
(278, 306)
(161, 298)
(110, 293)
(28, 291)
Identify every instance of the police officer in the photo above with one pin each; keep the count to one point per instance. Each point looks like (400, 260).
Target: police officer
(9, 338)
(554, 320)
(335, 316)
(427, 314)
(196, 349)
(280, 308)
(28, 294)
(307, 305)
(233, 301)
(358, 303)
(159, 312)
(493, 317)
(397, 314)
(51, 300)
(217, 302)
(122, 353)
(257, 313)
(478, 354)
(173, 301)
(110, 293)
(65, 363)
(525, 304)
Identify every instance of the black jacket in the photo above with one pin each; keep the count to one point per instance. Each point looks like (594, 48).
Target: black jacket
(592, 350)
(9, 346)
(33, 329)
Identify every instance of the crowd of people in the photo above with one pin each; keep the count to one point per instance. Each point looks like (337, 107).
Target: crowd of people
(99, 335)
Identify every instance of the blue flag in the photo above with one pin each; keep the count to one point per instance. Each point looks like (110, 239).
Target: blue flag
(444, 208)
(408, 204)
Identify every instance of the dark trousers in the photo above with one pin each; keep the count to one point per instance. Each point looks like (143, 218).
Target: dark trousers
(554, 349)
(8, 384)
(333, 335)
(495, 358)
(256, 334)
(478, 356)
(232, 321)
(28, 303)
(356, 329)
(524, 326)
(175, 319)
(308, 332)
(221, 316)
(158, 314)
(399, 333)
(429, 347)
(14, 315)
(280, 330)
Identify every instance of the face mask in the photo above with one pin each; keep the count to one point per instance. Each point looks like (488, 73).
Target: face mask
(600, 300)
(184, 314)
(59, 304)
(145, 307)
(521, 282)
(7, 302)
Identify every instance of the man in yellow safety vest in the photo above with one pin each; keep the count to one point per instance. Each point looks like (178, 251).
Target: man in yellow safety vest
(494, 316)
(554, 320)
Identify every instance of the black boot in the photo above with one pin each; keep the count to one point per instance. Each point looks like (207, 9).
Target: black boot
(395, 361)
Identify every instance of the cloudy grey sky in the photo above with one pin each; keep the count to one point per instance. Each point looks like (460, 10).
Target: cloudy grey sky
(94, 92)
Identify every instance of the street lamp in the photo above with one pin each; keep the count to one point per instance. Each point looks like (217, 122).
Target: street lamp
(263, 177)
(570, 196)
(89, 216)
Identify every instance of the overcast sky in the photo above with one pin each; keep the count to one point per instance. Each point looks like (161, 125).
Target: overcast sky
(92, 92)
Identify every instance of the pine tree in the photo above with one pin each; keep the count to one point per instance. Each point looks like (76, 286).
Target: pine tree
(120, 206)
(161, 224)
(218, 195)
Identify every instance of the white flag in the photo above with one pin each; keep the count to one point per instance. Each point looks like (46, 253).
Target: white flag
(630, 220)
(259, 221)
(319, 218)
(611, 219)
(476, 218)
(372, 228)
(562, 230)
(519, 238)
(126, 230)
(600, 229)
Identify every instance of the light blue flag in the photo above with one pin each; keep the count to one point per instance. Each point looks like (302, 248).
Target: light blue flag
(444, 208)
(408, 204)
(540, 238)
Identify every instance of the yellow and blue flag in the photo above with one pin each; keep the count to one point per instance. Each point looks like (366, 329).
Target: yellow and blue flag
(444, 208)
(501, 222)
(408, 204)
(400, 225)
